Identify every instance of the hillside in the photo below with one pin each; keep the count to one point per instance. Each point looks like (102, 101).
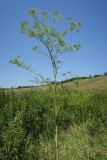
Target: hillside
(96, 84)
(92, 84)
(28, 128)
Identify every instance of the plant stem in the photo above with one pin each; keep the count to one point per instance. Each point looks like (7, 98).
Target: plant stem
(56, 127)
(55, 110)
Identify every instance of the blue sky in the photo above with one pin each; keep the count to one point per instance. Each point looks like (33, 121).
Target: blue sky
(91, 59)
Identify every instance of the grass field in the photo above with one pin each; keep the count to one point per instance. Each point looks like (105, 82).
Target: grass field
(98, 84)
(27, 122)
(93, 84)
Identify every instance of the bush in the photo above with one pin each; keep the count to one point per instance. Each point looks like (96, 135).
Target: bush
(27, 125)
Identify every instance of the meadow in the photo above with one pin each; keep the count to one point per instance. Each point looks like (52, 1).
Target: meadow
(27, 125)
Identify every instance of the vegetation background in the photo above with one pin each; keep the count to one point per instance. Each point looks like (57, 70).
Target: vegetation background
(27, 124)
(28, 121)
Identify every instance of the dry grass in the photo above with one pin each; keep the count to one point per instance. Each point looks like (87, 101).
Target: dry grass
(98, 84)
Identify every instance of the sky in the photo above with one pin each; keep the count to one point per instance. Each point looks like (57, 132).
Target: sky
(89, 60)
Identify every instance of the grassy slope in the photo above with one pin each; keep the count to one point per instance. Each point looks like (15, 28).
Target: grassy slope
(75, 143)
(93, 84)
(98, 84)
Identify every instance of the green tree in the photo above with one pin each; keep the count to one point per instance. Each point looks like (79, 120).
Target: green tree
(105, 73)
(52, 42)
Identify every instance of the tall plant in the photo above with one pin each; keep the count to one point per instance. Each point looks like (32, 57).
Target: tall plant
(52, 42)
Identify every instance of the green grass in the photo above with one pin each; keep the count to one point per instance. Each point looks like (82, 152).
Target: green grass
(27, 125)
(76, 144)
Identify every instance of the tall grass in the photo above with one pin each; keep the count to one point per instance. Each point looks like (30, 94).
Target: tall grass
(27, 126)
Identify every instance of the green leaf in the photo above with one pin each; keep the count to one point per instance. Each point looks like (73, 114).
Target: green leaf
(76, 46)
(23, 26)
(17, 61)
(68, 19)
(73, 24)
(35, 48)
(32, 12)
(44, 15)
(61, 42)
(57, 16)
(31, 33)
